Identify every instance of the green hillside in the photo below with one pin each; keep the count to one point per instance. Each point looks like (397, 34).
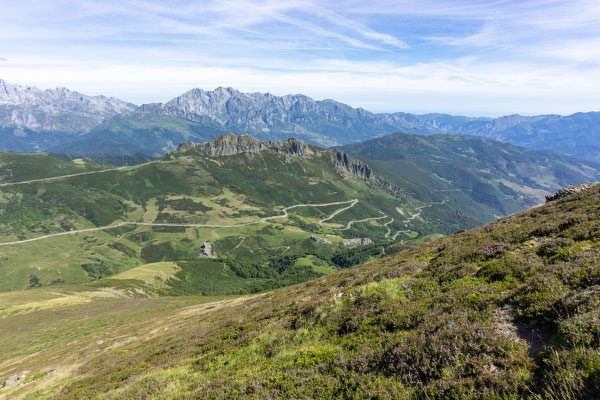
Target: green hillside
(507, 310)
(258, 211)
(487, 178)
(18, 167)
(141, 133)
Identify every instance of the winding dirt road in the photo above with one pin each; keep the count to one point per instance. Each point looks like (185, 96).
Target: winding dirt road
(55, 178)
(100, 228)
(351, 203)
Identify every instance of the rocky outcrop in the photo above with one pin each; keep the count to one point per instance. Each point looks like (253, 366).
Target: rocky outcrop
(207, 251)
(570, 190)
(351, 166)
(226, 145)
(294, 147)
(357, 242)
(320, 240)
(231, 144)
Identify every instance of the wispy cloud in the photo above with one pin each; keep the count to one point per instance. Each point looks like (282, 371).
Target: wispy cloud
(466, 56)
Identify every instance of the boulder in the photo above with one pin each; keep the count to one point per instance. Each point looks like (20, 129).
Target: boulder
(569, 190)
(357, 242)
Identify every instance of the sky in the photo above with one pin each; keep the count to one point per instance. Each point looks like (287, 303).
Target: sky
(486, 57)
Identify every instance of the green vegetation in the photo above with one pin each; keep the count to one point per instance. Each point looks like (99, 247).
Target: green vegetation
(192, 188)
(17, 167)
(508, 310)
(486, 178)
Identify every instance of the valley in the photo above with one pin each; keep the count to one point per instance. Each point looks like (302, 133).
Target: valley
(89, 225)
(304, 200)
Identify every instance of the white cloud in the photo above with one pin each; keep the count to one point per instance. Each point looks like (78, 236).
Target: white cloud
(485, 57)
(466, 87)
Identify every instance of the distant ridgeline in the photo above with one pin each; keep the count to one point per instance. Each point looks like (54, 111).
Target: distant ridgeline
(61, 120)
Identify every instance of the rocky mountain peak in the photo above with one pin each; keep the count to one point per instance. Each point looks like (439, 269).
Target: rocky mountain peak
(55, 109)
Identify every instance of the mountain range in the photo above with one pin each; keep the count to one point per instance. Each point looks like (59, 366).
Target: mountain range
(253, 200)
(499, 178)
(64, 121)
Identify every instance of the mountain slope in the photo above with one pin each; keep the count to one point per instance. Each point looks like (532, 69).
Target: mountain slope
(37, 120)
(500, 178)
(257, 203)
(576, 135)
(508, 310)
(200, 115)
(63, 121)
(55, 109)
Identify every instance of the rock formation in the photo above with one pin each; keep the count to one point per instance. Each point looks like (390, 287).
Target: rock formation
(357, 242)
(207, 251)
(231, 144)
(570, 190)
(320, 240)
(349, 165)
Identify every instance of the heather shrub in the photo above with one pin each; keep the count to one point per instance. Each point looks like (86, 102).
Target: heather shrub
(494, 249)
(536, 299)
(580, 330)
(554, 246)
(571, 375)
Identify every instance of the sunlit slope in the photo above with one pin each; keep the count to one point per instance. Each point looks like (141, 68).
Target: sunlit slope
(250, 206)
(508, 310)
(488, 178)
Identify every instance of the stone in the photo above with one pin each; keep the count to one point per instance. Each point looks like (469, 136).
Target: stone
(320, 240)
(207, 251)
(357, 242)
(569, 191)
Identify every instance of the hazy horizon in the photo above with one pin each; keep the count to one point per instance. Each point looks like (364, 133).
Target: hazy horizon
(457, 57)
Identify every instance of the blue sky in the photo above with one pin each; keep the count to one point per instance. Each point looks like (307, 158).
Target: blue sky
(464, 57)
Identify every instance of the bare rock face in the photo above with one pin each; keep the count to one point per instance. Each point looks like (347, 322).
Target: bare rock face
(320, 240)
(55, 109)
(357, 242)
(570, 190)
(231, 144)
(226, 145)
(294, 147)
(207, 251)
(351, 166)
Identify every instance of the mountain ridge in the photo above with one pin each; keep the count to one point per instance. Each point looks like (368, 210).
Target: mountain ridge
(232, 144)
(98, 125)
(33, 108)
(502, 176)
